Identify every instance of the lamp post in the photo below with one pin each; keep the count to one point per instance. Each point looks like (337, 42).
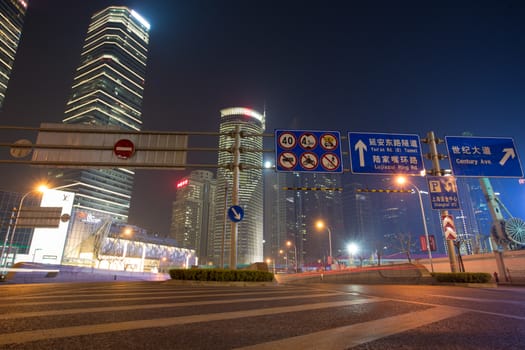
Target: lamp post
(402, 180)
(289, 244)
(40, 188)
(320, 225)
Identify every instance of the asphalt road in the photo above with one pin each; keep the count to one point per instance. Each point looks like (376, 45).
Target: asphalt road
(169, 315)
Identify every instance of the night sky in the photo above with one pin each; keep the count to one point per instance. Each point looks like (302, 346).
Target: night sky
(362, 66)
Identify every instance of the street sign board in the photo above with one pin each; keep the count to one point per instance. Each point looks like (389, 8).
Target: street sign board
(483, 156)
(372, 153)
(308, 151)
(443, 192)
(235, 213)
(124, 148)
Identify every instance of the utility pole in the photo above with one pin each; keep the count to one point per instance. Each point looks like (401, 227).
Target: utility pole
(435, 157)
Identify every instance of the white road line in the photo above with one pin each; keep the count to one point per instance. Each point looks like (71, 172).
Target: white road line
(342, 338)
(15, 315)
(146, 296)
(54, 333)
(481, 300)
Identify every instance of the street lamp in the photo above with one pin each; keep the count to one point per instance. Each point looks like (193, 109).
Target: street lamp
(321, 225)
(289, 244)
(403, 180)
(41, 188)
(352, 250)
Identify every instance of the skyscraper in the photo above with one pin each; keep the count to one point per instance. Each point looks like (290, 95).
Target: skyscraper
(250, 229)
(107, 92)
(12, 13)
(192, 220)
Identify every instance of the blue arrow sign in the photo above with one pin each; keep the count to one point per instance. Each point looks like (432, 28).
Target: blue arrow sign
(483, 156)
(372, 153)
(235, 213)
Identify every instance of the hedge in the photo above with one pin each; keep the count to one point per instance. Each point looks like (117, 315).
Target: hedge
(462, 277)
(221, 275)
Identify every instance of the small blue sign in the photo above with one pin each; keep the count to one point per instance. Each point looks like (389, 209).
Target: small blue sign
(483, 156)
(235, 213)
(372, 153)
(443, 192)
(308, 151)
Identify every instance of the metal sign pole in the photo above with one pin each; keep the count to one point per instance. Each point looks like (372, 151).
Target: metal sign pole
(434, 156)
(235, 195)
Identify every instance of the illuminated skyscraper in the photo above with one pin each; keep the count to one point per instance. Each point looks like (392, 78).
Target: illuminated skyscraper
(250, 229)
(107, 91)
(193, 213)
(12, 14)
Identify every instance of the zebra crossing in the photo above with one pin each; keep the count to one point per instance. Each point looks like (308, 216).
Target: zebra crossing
(167, 315)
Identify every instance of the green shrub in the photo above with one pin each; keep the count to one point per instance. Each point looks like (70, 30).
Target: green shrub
(462, 277)
(221, 275)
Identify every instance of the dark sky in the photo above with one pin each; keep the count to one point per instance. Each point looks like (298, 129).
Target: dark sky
(362, 66)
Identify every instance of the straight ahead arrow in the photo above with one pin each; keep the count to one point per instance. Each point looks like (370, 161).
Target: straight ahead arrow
(361, 148)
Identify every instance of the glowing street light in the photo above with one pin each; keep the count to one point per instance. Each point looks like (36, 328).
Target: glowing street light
(401, 180)
(289, 244)
(321, 225)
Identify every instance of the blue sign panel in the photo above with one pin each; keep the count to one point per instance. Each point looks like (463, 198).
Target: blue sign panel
(372, 153)
(443, 192)
(235, 213)
(308, 151)
(483, 156)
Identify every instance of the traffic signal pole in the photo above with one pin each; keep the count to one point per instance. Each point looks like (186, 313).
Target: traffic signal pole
(435, 157)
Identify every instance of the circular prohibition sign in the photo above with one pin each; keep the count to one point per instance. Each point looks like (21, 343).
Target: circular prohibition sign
(329, 142)
(287, 140)
(330, 161)
(287, 160)
(309, 160)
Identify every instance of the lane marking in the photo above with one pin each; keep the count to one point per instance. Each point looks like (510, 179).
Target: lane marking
(481, 300)
(146, 296)
(16, 315)
(64, 332)
(342, 338)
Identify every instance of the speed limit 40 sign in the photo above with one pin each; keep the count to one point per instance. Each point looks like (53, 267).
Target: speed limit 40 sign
(308, 151)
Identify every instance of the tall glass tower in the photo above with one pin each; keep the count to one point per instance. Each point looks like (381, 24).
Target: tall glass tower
(193, 212)
(107, 91)
(250, 229)
(12, 13)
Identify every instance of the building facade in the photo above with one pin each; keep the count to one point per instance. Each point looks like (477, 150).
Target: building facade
(12, 13)
(250, 229)
(107, 91)
(193, 215)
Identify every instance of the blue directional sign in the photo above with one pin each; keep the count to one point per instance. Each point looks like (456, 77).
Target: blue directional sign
(483, 156)
(443, 192)
(372, 153)
(235, 213)
(308, 151)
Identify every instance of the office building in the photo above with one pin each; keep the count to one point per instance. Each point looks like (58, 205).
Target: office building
(12, 13)
(250, 229)
(193, 213)
(107, 92)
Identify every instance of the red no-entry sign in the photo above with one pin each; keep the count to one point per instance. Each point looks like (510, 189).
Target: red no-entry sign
(124, 149)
